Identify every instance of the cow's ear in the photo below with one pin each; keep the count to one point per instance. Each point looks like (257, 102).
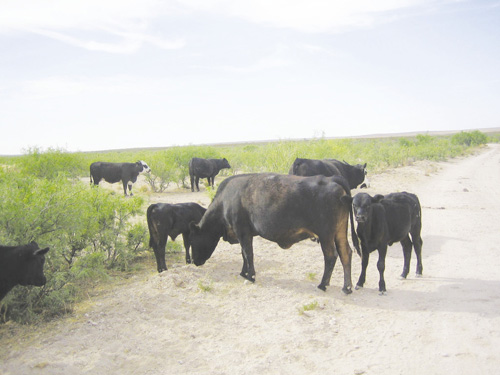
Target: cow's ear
(377, 198)
(346, 199)
(193, 227)
(41, 251)
(364, 166)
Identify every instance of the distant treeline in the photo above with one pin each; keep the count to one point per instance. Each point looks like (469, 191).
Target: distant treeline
(95, 234)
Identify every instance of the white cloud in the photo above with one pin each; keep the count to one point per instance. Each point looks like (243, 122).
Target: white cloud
(60, 86)
(127, 21)
(308, 15)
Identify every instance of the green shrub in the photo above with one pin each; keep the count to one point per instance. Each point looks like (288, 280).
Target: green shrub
(474, 138)
(51, 163)
(86, 229)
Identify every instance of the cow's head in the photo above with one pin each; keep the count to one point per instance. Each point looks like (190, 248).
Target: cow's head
(30, 265)
(225, 163)
(144, 167)
(362, 206)
(203, 243)
(358, 175)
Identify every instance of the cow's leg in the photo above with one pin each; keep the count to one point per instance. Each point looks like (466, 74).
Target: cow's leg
(124, 187)
(197, 182)
(382, 251)
(187, 245)
(248, 270)
(159, 251)
(130, 188)
(365, 258)
(345, 253)
(192, 183)
(417, 244)
(407, 245)
(330, 257)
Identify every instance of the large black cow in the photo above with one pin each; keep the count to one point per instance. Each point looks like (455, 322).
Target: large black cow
(384, 220)
(114, 172)
(171, 220)
(354, 174)
(280, 208)
(21, 265)
(205, 168)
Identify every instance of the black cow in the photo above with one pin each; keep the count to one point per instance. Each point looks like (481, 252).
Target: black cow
(384, 220)
(114, 172)
(205, 168)
(280, 208)
(354, 174)
(171, 220)
(21, 265)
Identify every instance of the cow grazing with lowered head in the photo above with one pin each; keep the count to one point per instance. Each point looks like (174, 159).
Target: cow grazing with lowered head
(384, 220)
(114, 172)
(166, 220)
(354, 174)
(280, 208)
(205, 168)
(21, 265)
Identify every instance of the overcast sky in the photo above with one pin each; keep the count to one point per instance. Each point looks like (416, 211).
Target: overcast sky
(105, 74)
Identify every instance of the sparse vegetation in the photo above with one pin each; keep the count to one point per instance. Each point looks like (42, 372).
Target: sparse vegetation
(95, 235)
(308, 307)
(205, 286)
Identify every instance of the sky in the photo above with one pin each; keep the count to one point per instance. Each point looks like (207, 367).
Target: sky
(110, 74)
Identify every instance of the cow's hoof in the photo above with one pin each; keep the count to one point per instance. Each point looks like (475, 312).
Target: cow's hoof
(249, 278)
(403, 277)
(418, 275)
(347, 290)
(322, 287)
(358, 287)
(382, 293)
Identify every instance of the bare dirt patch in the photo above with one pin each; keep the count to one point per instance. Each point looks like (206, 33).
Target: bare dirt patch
(208, 320)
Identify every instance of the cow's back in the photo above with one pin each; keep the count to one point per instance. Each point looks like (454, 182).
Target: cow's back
(200, 167)
(402, 213)
(110, 172)
(313, 167)
(282, 208)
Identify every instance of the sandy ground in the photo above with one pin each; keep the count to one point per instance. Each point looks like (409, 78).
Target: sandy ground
(208, 320)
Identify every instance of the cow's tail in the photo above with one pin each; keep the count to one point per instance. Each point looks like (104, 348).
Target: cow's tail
(150, 225)
(354, 236)
(342, 181)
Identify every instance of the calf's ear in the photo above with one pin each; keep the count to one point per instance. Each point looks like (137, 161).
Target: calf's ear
(377, 198)
(193, 227)
(346, 199)
(41, 251)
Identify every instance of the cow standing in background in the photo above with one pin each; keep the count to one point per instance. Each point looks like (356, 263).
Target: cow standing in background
(166, 220)
(354, 174)
(205, 168)
(114, 172)
(384, 220)
(21, 265)
(280, 208)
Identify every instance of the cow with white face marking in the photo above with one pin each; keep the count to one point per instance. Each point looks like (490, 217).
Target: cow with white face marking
(114, 172)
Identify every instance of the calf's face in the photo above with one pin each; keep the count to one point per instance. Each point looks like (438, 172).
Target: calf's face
(31, 267)
(361, 204)
(203, 244)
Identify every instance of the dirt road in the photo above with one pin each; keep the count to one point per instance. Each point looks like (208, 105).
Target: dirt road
(208, 320)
